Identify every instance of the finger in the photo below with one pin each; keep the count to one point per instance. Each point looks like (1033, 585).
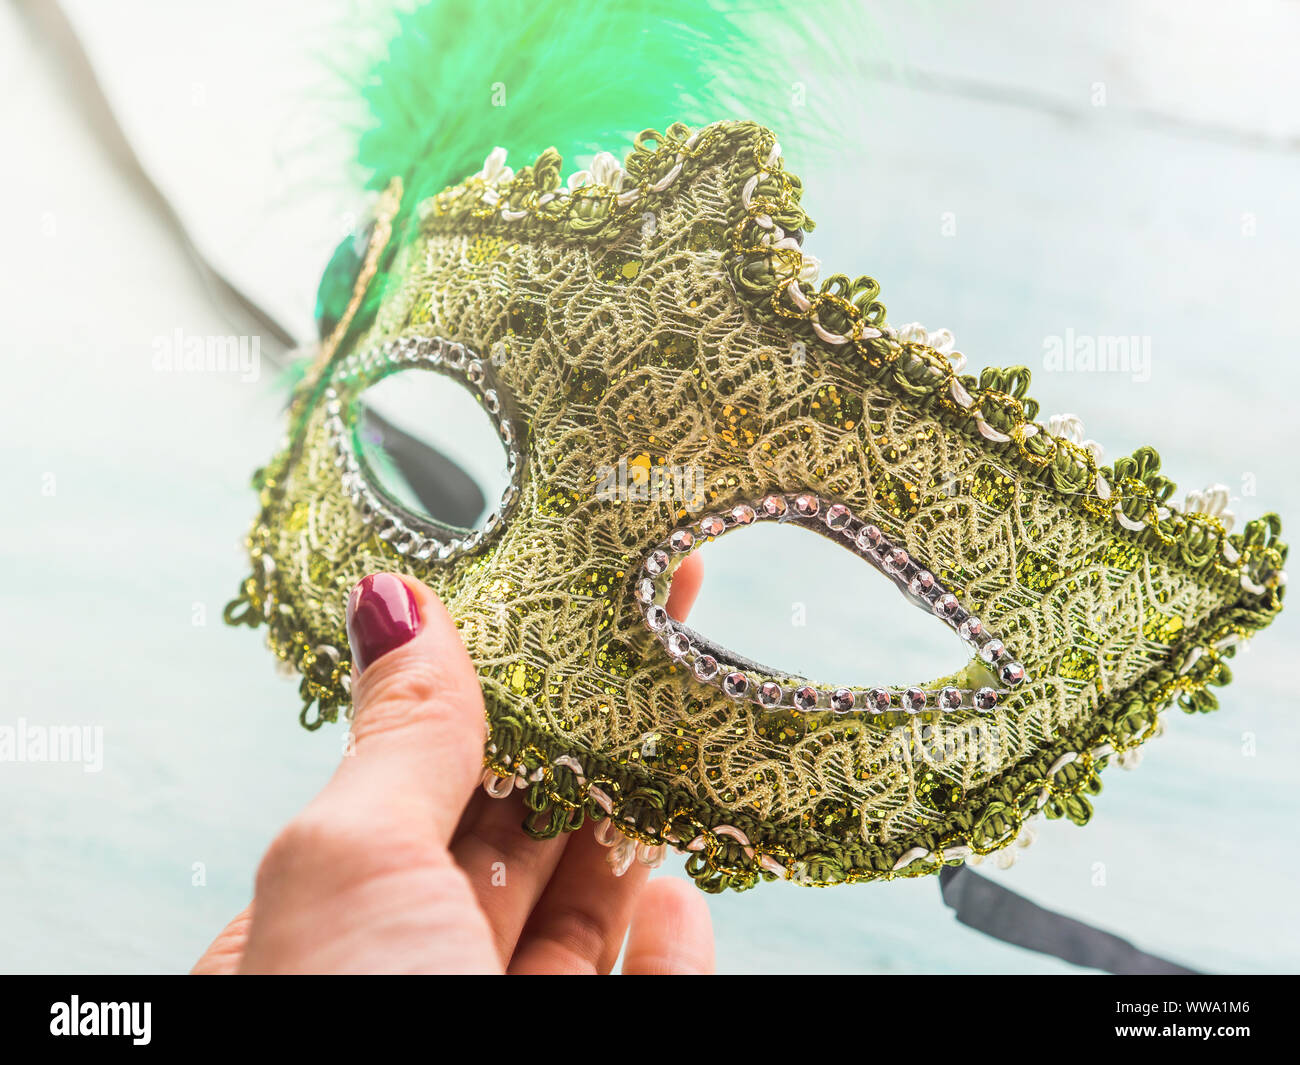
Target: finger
(687, 579)
(418, 723)
(505, 866)
(672, 933)
(223, 954)
(579, 923)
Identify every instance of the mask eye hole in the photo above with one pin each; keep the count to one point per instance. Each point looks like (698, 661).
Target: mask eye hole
(790, 598)
(428, 450)
(991, 670)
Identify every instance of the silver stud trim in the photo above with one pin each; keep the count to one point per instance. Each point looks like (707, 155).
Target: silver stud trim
(709, 663)
(410, 534)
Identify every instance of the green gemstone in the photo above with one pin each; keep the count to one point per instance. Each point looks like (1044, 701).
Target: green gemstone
(340, 278)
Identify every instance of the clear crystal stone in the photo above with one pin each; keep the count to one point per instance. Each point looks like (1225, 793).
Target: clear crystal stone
(986, 699)
(1011, 673)
(914, 700)
(682, 540)
(507, 432)
(950, 698)
(922, 584)
(706, 667)
(869, 538)
(679, 645)
(645, 590)
(712, 525)
(879, 700)
(742, 514)
(474, 372)
(805, 698)
(735, 684)
(769, 694)
(774, 506)
(992, 651)
(807, 504)
(972, 628)
(656, 562)
(492, 401)
(656, 617)
(837, 516)
(895, 559)
(842, 700)
(455, 355)
(946, 605)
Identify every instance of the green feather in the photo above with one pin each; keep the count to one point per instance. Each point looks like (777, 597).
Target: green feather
(463, 76)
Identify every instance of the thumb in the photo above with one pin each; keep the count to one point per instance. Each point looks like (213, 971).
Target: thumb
(418, 723)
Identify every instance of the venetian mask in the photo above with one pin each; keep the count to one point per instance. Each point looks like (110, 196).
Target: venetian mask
(662, 366)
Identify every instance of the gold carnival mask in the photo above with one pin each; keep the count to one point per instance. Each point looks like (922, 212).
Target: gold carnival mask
(661, 316)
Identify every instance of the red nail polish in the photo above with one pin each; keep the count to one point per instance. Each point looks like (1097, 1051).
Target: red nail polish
(382, 615)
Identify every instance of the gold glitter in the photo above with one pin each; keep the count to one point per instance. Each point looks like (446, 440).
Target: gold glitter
(1038, 571)
(1077, 664)
(617, 266)
(1121, 555)
(993, 487)
(556, 502)
(834, 406)
(705, 236)
(783, 726)
(615, 658)
(740, 426)
(897, 496)
(524, 679)
(1163, 628)
(526, 319)
(484, 249)
(672, 351)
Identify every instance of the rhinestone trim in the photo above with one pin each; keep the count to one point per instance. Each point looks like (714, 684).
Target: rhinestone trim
(709, 662)
(411, 534)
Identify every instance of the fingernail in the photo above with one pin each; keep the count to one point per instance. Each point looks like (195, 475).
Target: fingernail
(382, 616)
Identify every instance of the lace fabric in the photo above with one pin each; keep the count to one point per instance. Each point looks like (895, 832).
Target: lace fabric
(620, 334)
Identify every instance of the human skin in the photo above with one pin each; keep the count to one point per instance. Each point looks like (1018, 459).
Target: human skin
(397, 865)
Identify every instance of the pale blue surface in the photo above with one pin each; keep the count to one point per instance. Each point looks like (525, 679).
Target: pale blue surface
(1124, 219)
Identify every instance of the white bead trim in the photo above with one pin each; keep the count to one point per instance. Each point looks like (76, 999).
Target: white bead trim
(940, 340)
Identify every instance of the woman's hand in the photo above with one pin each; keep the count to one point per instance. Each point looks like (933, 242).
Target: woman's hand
(403, 864)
